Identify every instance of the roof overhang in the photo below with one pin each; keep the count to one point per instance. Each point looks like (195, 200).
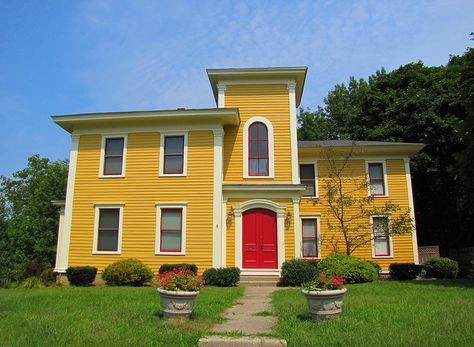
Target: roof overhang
(358, 148)
(297, 74)
(220, 116)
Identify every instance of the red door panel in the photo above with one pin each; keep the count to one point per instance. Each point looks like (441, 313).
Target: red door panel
(259, 239)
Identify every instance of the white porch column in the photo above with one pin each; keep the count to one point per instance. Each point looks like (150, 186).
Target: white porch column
(63, 242)
(224, 232)
(297, 227)
(293, 134)
(412, 210)
(217, 200)
(60, 231)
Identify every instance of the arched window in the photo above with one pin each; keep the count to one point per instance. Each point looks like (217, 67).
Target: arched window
(258, 150)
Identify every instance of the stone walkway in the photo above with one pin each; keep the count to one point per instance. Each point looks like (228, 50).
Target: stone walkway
(249, 315)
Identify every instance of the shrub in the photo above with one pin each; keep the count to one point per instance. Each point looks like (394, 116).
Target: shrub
(81, 275)
(48, 276)
(404, 271)
(222, 277)
(33, 269)
(441, 268)
(375, 265)
(295, 272)
(165, 268)
(31, 283)
(127, 272)
(353, 269)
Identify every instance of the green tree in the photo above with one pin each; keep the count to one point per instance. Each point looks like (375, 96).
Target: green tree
(31, 221)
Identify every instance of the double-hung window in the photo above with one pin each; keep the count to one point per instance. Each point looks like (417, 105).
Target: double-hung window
(308, 178)
(377, 184)
(381, 237)
(258, 150)
(173, 150)
(113, 156)
(107, 233)
(171, 229)
(310, 237)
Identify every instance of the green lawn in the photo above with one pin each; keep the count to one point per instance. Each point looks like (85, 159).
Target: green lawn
(387, 313)
(108, 316)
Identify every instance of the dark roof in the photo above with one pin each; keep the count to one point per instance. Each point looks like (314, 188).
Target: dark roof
(349, 143)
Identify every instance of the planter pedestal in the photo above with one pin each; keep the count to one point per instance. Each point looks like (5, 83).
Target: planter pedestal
(325, 304)
(176, 304)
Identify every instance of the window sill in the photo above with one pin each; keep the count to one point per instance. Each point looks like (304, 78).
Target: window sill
(258, 177)
(172, 175)
(310, 197)
(170, 253)
(378, 196)
(106, 253)
(111, 176)
(382, 257)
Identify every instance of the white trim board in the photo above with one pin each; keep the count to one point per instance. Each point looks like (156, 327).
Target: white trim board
(411, 206)
(385, 177)
(159, 207)
(102, 154)
(164, 134)
(97, 208)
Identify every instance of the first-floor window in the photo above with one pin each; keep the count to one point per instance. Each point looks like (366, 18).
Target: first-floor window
(108, 230)
(171, 229)
(310, 237)
(381, 236)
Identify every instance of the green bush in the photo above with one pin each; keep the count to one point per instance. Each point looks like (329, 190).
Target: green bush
(441, 268)
(165, 268)
(222, 277)
(31, 283)
(404, 271)
(295, 272)
(353, 269)
(127, 272)
(33, 269)
(375, 265)
(48, 276)
(470, 273)
(81, 275)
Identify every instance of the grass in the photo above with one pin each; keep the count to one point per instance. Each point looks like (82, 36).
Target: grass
(388, 313)
(108, 316)
(263, 314)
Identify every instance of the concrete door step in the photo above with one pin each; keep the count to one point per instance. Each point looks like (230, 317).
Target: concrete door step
(217, 341)
(270, 281)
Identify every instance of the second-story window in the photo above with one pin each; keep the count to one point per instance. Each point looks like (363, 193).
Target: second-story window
(113, 156)
(258, 150)
(174, 155)
(308, 178)
(376, 179)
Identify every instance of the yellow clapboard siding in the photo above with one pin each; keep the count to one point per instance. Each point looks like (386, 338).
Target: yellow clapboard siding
(398, 194)
(265, 100)
(139, 191)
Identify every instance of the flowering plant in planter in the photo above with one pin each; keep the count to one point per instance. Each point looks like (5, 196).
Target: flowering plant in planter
(323, 282)
(179, 280)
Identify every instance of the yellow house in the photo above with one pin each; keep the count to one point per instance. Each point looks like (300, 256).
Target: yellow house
(226, 186)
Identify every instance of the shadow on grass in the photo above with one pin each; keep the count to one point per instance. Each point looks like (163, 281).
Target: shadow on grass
(459, 283)
(305, 317)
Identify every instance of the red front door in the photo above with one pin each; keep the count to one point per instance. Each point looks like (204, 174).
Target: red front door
(259, 239)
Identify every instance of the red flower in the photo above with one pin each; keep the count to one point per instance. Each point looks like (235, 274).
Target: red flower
(160, 275)
(323, 279)
(180, 268)
(164, 283)
(203, 286)
(180, 273)
(200, 277)
(171, 273)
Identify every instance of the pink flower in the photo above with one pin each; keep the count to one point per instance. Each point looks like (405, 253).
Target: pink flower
(165, 283)
(180, 273)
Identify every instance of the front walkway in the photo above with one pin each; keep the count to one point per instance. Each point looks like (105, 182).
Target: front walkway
(251, 315)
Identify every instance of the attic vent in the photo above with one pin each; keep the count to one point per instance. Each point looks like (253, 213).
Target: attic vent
(180, 108)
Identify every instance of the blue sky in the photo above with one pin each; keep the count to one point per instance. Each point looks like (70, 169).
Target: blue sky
(63, 57)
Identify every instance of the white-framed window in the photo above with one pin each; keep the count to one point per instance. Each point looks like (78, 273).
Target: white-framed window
(382, 246)
(258, 155)
(310, 243)
(309, 177)
(113, 154)
(108, 229)
(170, 229)
(377, 178)
(173, 154)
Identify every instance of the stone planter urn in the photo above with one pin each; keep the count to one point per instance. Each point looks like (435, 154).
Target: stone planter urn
(176, 304)
(325, 304)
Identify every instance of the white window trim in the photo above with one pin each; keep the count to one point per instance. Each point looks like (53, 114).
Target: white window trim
(316, 185)
(159, 207)
(390, 241)
(99, 207)
(245, 149)
(163, 134)
(102, 154)
(385, 177)
(318, 235)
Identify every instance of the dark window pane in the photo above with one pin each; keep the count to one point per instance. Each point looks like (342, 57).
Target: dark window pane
(173, 164)
(253, 149)
(170, 241)
(108, 240)
(174, 144)
(262, 149)
(254, 167)
(262, 131)
(375, 171)
(109, 218)
(114, 146)
(171, 219)
(113, 166)
(307, 171)
(263, 167)
(309, 248)
(254, 131)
